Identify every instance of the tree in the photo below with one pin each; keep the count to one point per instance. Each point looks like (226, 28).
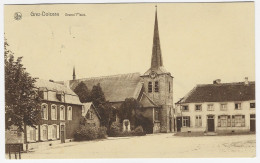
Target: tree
(104, 108)
(128, 110)
(21, 99)
(82, 91)
(97, 95)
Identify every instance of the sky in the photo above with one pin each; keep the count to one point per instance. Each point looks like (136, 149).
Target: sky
(200, 42)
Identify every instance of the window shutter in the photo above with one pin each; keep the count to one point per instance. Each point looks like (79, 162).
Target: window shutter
(36, 134)
(219, 121)
(28, 133)
(229, 121)
(233, 121)
(41, 132)
(188, 123)
(49, 132)
(58, 131)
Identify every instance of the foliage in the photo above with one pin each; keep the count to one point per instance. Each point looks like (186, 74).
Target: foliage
(86, 133)
(102, 132)
(128, 110)
(115, 129)
(21, 99)
(139, 131)
(82, 91)
(97, 95)
(145, 122)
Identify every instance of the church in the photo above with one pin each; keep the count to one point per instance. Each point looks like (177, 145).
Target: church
(153, 89)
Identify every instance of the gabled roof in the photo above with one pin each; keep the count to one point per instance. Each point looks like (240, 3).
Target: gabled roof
(116, 88)
(87, 106)
(147, 102)
(53, 88)
(221, 93)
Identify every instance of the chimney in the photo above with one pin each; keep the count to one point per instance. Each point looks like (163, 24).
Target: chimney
(246, 81)
(217, 81)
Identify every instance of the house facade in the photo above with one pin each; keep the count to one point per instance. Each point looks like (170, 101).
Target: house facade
(91, 115)
(218, 107)
(153, 89)
(61, 111)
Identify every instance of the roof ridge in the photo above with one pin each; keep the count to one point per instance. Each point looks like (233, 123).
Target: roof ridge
(231, 83)
(108, 76)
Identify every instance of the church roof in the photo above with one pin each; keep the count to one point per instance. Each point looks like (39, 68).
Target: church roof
(146, 101)
(116, 87)
(222, 92)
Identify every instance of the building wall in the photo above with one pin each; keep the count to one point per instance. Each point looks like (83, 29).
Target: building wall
(95, 120)
(163, 98)
(70, 125)
(246, 110)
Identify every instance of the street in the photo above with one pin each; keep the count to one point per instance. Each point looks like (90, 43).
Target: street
(153, 146)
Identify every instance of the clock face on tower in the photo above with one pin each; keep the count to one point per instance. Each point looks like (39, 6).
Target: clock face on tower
(153, 75)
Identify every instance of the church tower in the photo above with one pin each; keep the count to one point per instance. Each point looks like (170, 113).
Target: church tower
(158, 84)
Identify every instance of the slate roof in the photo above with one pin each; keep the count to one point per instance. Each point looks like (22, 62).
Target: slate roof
(116, 87)
(222, 92)
(52, 88)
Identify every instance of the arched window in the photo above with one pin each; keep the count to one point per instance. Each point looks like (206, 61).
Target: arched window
(156, 86)
(69, 113)
(54, 112)
(62, 112)
(44, 111)
(150, 87)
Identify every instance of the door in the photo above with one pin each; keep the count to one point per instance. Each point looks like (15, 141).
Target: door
(170, 125)
(211, 124)
(62, 133)
(252, 122)
(179, 124)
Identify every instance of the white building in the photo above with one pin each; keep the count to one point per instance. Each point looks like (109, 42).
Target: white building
(218, 107)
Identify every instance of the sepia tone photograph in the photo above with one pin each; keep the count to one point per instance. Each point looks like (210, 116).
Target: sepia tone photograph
(129, 80)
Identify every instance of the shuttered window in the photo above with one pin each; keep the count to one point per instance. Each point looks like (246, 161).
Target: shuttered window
(198, 121)
(62, 112)
(44, 132)
(54, 112)
(69, 113)
(44, 111)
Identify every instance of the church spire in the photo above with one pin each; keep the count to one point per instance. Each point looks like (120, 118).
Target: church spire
(156, 54)
(74, 74)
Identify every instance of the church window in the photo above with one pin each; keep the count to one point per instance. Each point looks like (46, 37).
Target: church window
(150, 87)
(156, 86)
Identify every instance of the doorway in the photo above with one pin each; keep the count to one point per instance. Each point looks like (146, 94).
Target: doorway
(252, 122)
(211, 123)
(179, 124)
(62, 133)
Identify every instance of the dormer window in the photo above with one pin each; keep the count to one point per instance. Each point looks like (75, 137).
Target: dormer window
(60, 96)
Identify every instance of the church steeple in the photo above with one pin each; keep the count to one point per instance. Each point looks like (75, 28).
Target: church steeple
(156, 54)
(74, 74)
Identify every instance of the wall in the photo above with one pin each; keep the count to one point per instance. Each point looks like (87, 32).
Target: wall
(246, 110)
(95, 119)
